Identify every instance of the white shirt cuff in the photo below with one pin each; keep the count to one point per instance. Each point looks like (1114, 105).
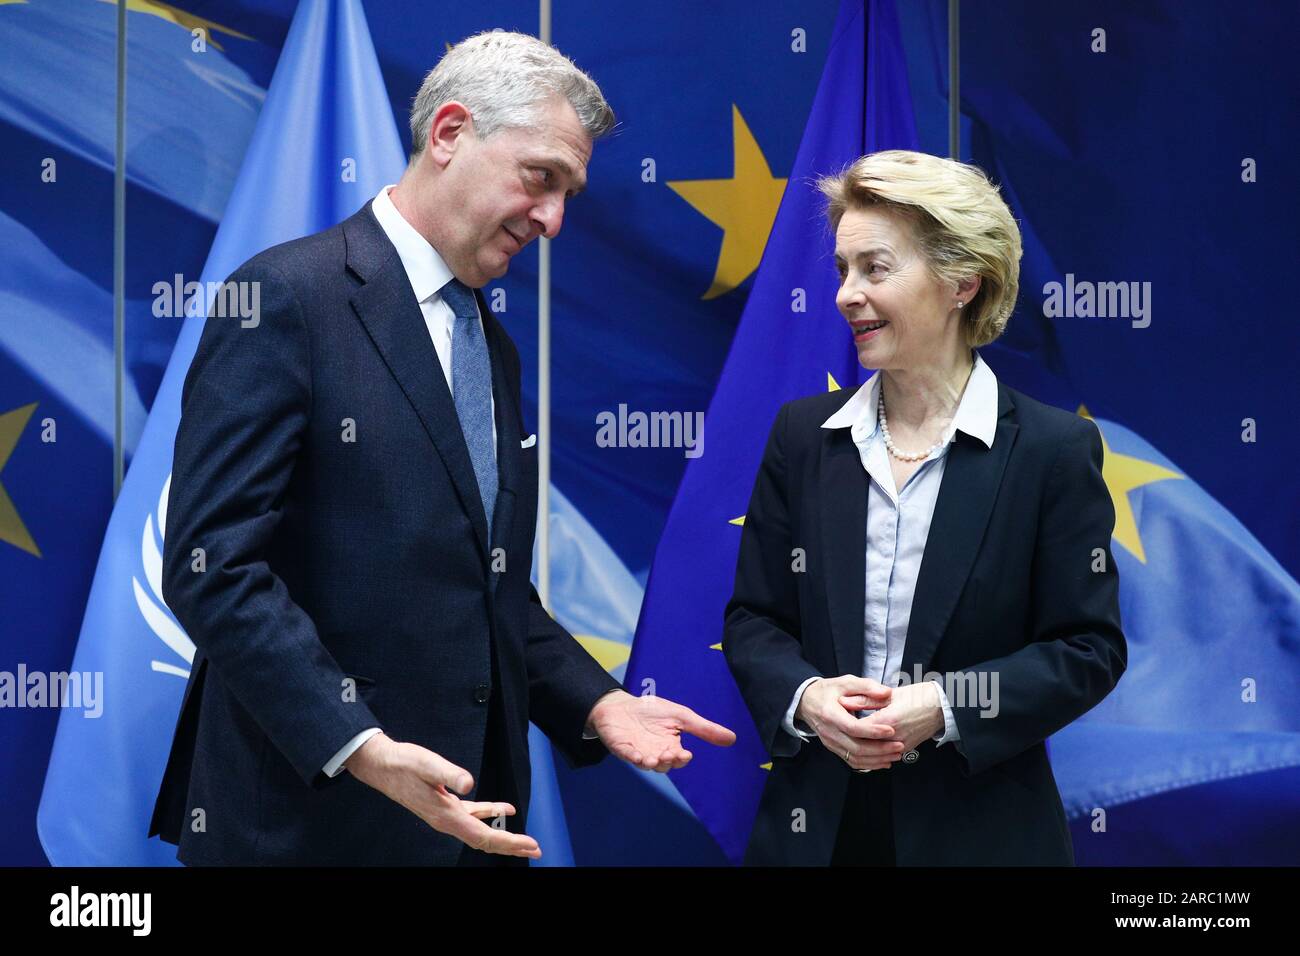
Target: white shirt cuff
(788, 723)
(335, 766)
(949, 732)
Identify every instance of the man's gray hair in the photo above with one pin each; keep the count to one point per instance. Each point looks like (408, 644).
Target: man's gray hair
(503, 78)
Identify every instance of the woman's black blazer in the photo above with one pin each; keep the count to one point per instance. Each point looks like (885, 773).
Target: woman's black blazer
(1017, 581)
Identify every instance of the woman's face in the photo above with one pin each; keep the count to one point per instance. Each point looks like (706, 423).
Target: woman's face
(900, 315)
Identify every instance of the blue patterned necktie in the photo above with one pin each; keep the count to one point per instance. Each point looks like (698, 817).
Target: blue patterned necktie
(471, 386)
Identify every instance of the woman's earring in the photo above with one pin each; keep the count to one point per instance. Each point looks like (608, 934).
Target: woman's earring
(960, 303)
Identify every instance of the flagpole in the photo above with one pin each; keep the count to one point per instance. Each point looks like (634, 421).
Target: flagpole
(954, 80)
(119, 257)
(544, 384)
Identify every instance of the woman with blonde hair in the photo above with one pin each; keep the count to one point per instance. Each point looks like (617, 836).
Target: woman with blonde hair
(956, 602)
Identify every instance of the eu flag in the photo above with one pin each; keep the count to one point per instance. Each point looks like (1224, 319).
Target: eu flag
(324, 144)
(789, 344)
(1193, 759)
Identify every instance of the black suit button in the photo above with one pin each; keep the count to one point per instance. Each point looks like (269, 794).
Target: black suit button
(481, 694)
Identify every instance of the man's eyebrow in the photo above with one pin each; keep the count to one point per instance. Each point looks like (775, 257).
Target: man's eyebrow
(563, 166)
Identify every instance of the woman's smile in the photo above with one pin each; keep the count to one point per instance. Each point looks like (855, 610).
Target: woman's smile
(866, 331)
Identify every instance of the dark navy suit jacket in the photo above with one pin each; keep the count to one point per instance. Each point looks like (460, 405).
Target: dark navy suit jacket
(329, 559)
(1011, 584)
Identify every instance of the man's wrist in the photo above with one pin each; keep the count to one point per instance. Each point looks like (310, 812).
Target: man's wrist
(360, 757)
(589, 730)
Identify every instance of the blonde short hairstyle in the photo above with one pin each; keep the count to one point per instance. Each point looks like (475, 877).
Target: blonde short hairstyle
(959, 220)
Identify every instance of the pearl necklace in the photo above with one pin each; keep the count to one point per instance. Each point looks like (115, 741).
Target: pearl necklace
(889, 441)
(884, 424)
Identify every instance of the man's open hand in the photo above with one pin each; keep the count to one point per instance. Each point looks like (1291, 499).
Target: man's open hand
(427, 785)
(646, 731)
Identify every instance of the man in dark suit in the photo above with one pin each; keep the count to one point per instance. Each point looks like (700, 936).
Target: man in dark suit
(352, 512)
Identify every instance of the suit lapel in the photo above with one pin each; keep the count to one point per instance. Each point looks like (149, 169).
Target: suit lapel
(971, 479)
(843, 504)
(387, 308)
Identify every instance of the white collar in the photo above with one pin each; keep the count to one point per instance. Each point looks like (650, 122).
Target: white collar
(424, 267)
(977, 413)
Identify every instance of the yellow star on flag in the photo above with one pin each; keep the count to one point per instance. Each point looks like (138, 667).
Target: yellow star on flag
(1122, 474)
(744, 206)
(12, 528)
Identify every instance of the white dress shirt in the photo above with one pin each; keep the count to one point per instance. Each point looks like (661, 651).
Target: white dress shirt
(428, 274)
(898, 523)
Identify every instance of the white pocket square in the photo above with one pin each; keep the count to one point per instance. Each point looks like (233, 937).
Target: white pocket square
(528, 442)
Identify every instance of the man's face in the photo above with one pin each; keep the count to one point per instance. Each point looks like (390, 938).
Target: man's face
(509, 189)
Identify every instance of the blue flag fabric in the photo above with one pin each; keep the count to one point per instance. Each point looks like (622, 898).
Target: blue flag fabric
(1213, 628)
(325, 142)
(789, 344)
(57, 79)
